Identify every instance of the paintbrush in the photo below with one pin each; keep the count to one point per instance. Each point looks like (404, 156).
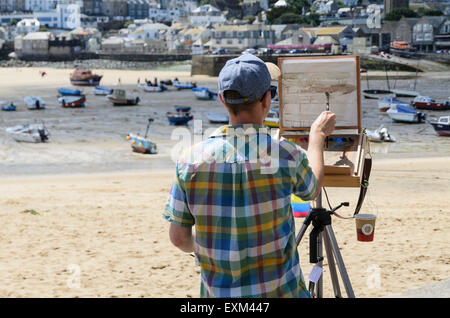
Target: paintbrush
(328, 108)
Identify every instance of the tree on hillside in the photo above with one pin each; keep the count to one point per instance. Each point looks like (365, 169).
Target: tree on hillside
(398, 13)
(431, 12)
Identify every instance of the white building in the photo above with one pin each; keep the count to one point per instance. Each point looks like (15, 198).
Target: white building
(26, 26)
(206, 14)
(41, 5)
(323, 7)
(150, 31)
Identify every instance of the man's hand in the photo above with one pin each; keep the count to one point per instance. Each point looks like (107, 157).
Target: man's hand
(324, 125)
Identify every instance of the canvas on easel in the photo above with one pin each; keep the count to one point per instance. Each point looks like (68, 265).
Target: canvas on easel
(305, 87)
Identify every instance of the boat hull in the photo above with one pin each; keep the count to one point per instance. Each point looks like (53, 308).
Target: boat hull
(377, 94)
(93, 81)
(432, 106)
(179, 119)
(441, 130)
(405, 93)
(29, 133)
(124, 102)
(141, 145)
(72, 102)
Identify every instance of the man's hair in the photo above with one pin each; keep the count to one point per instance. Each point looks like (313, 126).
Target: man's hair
(237, 108)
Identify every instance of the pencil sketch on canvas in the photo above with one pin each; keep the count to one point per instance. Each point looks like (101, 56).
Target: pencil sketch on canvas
(304, 85)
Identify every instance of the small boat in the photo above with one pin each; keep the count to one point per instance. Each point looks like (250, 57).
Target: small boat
(120, 97)
(185, 85)
(8, 106)
(203, 93)
(217, 118)
(72, 101)
(380, 135)
(442, 126)
(82, 77)
(181, 117)
(272, 119)
(405, 93)
(425, 102)
(403, 113)
(377, 93)
(34, 102)
(150, 88)
(385, 103)
(102, 91)
(142, 144)
(69, 92)
(29, 133)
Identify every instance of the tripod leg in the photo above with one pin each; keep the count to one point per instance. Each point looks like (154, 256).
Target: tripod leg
(320, 263)
(332, 266)
(340, 262)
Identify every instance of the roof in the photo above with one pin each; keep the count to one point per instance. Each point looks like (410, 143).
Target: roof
(326, 31)
(37, 36)
(325, 39)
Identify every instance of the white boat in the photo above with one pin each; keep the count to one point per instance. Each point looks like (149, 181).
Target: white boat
(405, 93)
(377, 93)
(380, 135)
(406, 114)
(29, 133)
(385, 103)
(34, 102)
(203, 93)
(272, 119)
(150, 89)
(217, 118)
(102, 91)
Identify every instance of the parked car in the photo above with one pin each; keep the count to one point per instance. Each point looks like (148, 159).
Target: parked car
(221, 51)
(281, 51)
(249, 51)
(306, 50)
(295, 51)
(265, 51)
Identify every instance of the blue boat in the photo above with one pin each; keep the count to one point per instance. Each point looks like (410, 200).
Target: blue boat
(69, 92)
(9, 108)
(185, 85)
(181, 117)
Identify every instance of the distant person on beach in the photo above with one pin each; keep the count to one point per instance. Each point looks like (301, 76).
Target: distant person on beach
(244, 238)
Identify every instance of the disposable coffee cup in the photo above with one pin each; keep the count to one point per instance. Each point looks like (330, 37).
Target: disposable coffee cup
(365, 227)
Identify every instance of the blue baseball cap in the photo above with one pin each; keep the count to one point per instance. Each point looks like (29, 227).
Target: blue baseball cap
(248, 75)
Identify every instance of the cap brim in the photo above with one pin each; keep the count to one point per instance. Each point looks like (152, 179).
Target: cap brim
(274, 71)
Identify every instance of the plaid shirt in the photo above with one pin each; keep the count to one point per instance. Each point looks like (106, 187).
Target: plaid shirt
(241, 208)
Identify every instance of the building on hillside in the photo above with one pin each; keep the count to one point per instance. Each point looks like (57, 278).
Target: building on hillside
(240, 37)
(206, 14)
(25, 26)
(424, 31)
(442, 36)
(150, 31)
(115, 8)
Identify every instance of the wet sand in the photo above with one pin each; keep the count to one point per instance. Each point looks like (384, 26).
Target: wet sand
(82, 213)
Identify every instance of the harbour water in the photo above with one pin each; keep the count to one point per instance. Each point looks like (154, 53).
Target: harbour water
(92, 139)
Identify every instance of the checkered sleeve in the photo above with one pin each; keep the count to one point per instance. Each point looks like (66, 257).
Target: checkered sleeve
(306, 183)
(177, 209)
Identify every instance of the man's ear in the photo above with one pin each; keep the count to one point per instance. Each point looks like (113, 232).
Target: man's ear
(266, 101)
(221, 99)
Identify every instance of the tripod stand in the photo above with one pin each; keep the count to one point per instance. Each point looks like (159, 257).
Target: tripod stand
(322, 231)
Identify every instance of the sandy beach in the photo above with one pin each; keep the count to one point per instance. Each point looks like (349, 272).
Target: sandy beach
(81, 214)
